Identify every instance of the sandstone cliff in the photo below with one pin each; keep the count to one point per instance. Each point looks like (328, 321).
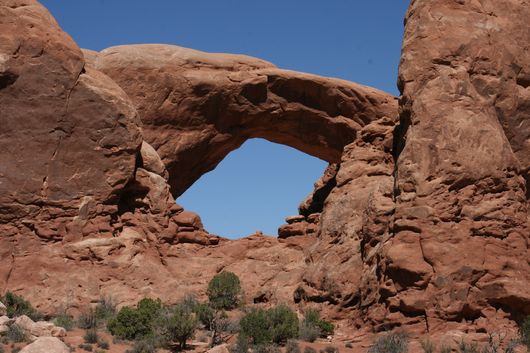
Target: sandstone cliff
(421, 218)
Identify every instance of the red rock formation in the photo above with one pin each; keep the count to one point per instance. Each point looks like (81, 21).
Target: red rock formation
(462, 159)
(197, 107)
(420, 220)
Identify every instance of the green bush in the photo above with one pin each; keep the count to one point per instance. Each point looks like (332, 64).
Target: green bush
(255, 326)
(134, 323)
(224, 291)
(275, 325)
(177, 324)
(65, 321)
(396, 342)
(205, 315)
(283, 323)
(312, 321)
(310, 350)
(524, 332)
(17, 306)
(91, 336)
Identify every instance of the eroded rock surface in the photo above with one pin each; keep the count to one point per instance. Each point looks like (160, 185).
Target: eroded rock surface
(421, 218)
(197, 107)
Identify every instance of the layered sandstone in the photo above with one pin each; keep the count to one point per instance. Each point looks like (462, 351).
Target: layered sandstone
(421, 219)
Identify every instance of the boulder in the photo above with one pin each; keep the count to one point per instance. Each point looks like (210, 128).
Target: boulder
(4, 323)
(3, 309)
(39, 328)
(46, 345)
(151, 160)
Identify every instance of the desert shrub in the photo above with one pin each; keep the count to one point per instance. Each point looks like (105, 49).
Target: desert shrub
(143, 346)
(312, 319)
(524, 332)
(16, 306)
(309, 350)
(242, 345)
(326, 328)
(292, 347)
(91, 336)
(464, 347)
(65, 321)
(283, 323)
(275, 325)
(308, 332)
(177, 324)
(255, 326)
(205, 314)
(85, 346)
(15, 334)
(224, 291)
(266, 348)
(105, 309)
(445, 349)
(427, 346)
(1, 349)
(329, 349)
(87, 320)
(396, 342)
(133, 323)
(103, 344)
(16, 349)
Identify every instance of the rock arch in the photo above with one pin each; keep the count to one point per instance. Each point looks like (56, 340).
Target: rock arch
(197, 107)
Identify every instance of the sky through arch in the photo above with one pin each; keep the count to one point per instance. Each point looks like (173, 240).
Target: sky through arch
(253, 188)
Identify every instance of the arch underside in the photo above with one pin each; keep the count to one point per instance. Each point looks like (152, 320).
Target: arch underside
(198, 107)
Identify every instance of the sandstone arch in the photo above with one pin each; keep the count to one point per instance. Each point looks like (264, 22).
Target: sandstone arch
(196, 107)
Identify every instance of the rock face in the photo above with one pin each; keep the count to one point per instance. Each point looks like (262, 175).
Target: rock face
(421, 218)
(436, 233)
(197, 107)
(463, 152)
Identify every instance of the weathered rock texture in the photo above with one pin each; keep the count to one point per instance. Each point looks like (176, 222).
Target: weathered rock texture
(421, 218)
(197, 107)
(438, 235)
(46, 345)
(463, 152)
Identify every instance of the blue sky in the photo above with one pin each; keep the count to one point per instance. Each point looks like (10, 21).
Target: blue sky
(256, 186)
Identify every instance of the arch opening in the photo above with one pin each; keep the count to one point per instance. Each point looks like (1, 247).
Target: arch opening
(254, 188)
